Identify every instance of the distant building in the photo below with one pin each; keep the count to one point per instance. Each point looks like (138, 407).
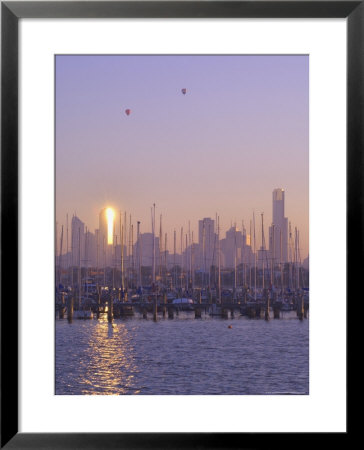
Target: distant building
(231, 247)
(90, 250)
(145, 246)
(77, 241)
(207, 244)
(278, 232)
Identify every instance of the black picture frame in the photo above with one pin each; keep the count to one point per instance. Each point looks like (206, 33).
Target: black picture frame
(11, 12)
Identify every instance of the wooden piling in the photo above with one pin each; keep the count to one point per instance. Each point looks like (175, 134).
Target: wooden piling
(70, 309)
(145, 315)
(251, 312)
(258, 311)
(164, 305)
(266, 313)
(232, 314)
(170, 313)
(61, 312)
(110, 313)
(197, 313)
(300, 308)
(305, 310)
(155, 308)
(276, 311)
(98, 302)
(224, 313)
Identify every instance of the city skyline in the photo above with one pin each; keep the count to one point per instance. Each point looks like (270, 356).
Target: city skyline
(234, 245)
(240, 131)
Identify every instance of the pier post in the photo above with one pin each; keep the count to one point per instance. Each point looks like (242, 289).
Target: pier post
(197, 313)
(277, 311)
(232, 315)
(224, 313)
(61, 312)
(258, 310)
(266, 315)
(252, 312)
(70, 309)
(300, 307)
(164, 305)
(155, 308)
(62, 308)
(110, 313)
(170, 313)
(98, 301)
(305, 310)
(145, 314)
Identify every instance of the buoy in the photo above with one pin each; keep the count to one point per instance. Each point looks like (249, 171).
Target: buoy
(230, 326)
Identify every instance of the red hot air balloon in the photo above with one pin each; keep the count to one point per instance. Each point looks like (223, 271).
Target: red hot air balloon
(127, 112)
(184, 90)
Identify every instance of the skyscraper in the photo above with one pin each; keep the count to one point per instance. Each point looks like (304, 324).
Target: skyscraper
(278, 232)
(207, 243)
(77, 241)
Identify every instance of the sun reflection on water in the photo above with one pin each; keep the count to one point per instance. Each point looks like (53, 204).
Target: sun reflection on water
(108, 364)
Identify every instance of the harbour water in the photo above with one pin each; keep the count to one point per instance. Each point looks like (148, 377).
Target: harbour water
(183, 356)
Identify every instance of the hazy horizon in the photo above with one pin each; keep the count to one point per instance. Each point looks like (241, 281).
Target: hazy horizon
(240, 131)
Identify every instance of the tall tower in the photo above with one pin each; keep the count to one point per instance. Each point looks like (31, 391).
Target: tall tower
(77, 241)
(278, 232)
(207, 242)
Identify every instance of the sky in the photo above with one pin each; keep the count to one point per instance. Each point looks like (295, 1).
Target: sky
(241, 130)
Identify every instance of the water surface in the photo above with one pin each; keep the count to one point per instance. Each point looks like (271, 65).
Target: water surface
(183, 356)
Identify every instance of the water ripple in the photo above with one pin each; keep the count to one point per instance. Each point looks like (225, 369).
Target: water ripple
(182, 356)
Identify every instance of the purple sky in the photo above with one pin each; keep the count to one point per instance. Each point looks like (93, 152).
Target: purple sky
(239, 132)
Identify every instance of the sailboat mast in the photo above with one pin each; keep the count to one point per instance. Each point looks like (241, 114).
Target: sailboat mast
(190, 254)
(153, 233)
(272, 256)
(181, 259)
(104, 255)
(250, 252)
(79, 266)
(60, 258)
(219, 260)
(255, 262)
(203, 253)
(165, 258)
(67, 257)
(160, 246)
(138, 255)
(97, 258)
(263, 284)
(187, 271)
(121, 253)
(192, 262)
(86, 260)
(234, 260)
(280, 257)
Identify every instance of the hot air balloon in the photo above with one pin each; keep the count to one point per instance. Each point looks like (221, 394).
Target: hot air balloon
(184, 90)
(127, 112)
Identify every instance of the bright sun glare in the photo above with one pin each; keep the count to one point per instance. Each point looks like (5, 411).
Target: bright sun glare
(110, 225)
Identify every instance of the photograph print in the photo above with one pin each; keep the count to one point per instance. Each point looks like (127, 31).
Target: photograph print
(181, 224)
